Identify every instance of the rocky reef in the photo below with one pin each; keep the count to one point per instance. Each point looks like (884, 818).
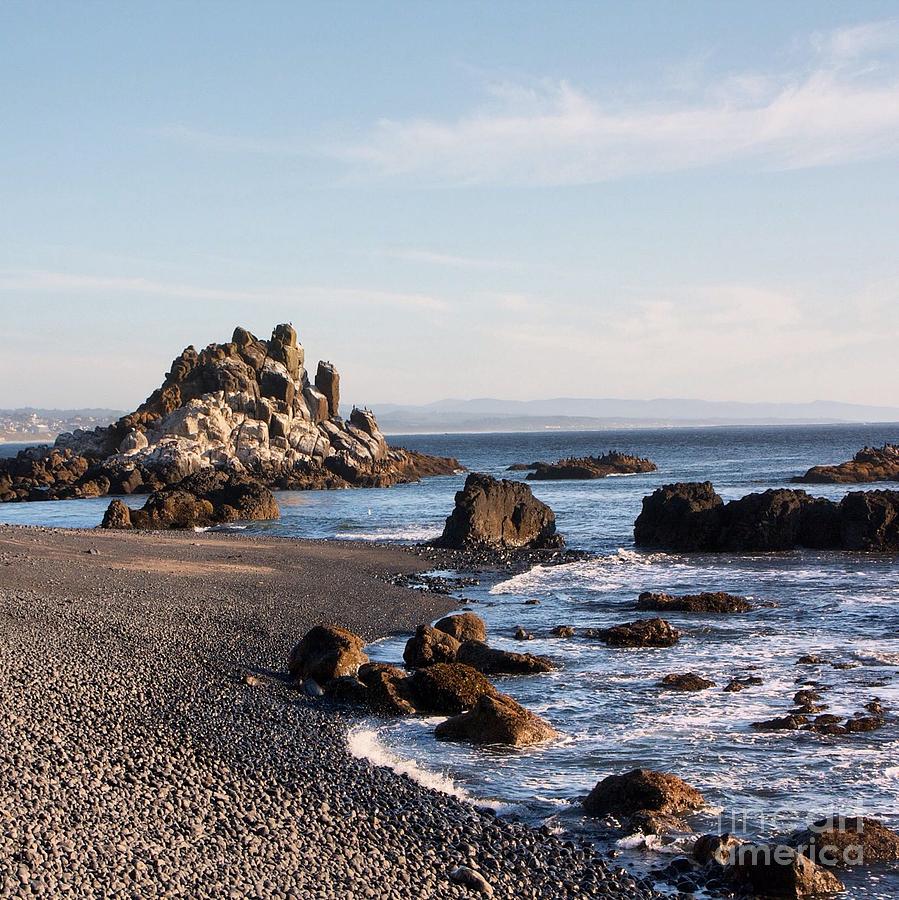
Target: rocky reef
(586, 467)
(869, 464)
(692, 517)
(210, 497)
(248, 406)
(491, 515)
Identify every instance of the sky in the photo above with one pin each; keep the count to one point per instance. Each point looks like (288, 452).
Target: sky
(454, 199)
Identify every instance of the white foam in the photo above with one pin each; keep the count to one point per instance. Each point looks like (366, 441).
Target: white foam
(411, 533)
(363, 743)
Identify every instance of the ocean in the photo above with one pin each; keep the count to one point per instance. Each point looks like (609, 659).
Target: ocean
(606, 703)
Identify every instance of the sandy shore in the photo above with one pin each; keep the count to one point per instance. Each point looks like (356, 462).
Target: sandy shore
(136, 761)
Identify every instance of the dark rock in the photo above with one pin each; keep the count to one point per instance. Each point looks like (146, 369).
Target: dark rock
(718, 849)
(563, 631)
(210, 497)
(466, 626)
(588, 467)
(448, 688)
(680, 517)
(522, 634)
(642, 789)
(869, 520)
(688, 681)
(493, 514)
(388, 689)
(327, 382)
(326, 652)
(740, 684)
(776, 870)
(642, 633)
(428, 646)
(496, 719)
(491, 661)
(868, 465)
(784, 723)
(718, 602)
(858, 724)
(850, 841)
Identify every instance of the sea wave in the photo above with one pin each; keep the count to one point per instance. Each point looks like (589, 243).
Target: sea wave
(398, 533)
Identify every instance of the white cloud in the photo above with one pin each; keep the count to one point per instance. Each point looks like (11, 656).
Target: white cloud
(842, 106)
(30, 281)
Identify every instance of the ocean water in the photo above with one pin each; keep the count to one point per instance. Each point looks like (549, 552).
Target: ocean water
(606, 703)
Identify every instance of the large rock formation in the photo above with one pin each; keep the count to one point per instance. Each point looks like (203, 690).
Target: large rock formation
(496, 719)
(869, 464)
(692, 517)
(326, 652)
(247, 405)
(587, 467)
(491, 515)
(639, 790)
(210, 497)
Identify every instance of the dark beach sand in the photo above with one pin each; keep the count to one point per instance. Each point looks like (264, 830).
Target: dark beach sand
(136, 762)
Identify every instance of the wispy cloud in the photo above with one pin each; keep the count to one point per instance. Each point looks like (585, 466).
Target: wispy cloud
(66, 283)
(450, 260)
(841, 105)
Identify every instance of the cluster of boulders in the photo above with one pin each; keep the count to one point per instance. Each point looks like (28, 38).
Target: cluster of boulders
(211, 497)
(869, 464)
(446, 668)
(586, 467)
(693, 517)
(248, 406)
(490, 514)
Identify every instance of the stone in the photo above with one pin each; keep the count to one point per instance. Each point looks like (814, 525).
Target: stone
(491, 661)
(388, 688)
(326, 652)
(847, 841)
(448, 688)
(522, 634)
(496, 719)
(642, 789)
(208, 498)
(707, 602)
(563, 631)
(688, 681)
(776, 870)
(717, 849)
(467, 626)
(428, 646)
(642, 633)
(868, 465)
(327, 382)
(493, 515)
(471, 879)
(588, 467)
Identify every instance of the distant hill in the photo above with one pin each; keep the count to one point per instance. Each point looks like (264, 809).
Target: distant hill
(568, 413)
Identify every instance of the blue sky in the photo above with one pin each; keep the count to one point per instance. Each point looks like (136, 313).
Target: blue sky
(454, 199)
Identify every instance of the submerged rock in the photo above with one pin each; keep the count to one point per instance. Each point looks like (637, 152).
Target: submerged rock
(688, 681)
(326, 652)
(496, 719)
(491, 514)
(208, 498)
(868, 465)
(642, 633)
(692, 517)
(642, 789)
(706, 602)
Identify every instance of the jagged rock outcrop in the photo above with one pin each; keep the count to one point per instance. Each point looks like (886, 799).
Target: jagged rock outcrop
(492, 515)
(210, 497)
(587, 467)
(692, 517)
(868, 465)
(247, 405)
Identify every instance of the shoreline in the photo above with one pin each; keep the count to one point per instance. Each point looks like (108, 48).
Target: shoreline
(144, 762)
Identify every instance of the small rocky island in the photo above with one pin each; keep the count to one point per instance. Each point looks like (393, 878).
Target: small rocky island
(248, 406)
(692, 517)
(868, 465)
(586, 467)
